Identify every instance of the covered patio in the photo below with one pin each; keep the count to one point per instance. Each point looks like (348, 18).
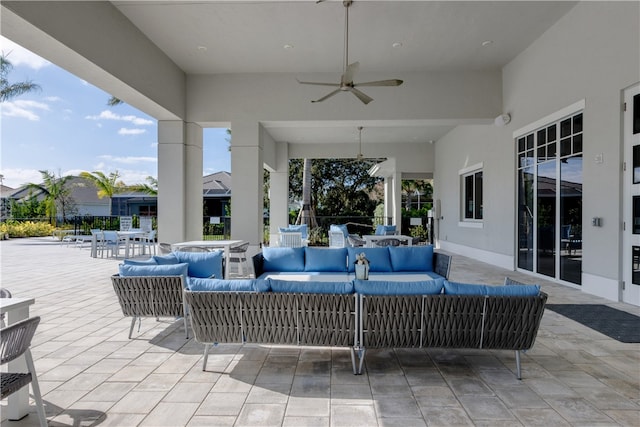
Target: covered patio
(91, 374)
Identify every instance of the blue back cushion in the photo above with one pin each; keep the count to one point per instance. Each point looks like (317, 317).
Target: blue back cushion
(325, 259)
(339, 227)
(384, 230)
(202, 264)
(294, 286)
(217, 285)
(423, 287)
(455, 288)
(379, 261)
(514, 290)
(166, 259)
(283, 259)
(127, 270)
(150, 261)
(411, 258)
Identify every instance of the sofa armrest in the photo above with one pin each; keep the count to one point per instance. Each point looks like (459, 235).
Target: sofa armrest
(258, 264)
(442, 264)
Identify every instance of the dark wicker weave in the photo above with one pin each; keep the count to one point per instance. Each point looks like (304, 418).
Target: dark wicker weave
(150, 296)
(451, 321)
(271, 318)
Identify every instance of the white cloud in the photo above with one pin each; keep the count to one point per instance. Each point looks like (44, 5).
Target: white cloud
(129, 131)
(23, 109)
(110, 115)
(128, 160)
(18, 55)
(15, 178)
(52, 98)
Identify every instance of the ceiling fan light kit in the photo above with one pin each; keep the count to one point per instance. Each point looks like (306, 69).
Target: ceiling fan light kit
(346, 80)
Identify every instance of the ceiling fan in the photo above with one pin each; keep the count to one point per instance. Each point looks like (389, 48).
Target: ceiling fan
(346, 80)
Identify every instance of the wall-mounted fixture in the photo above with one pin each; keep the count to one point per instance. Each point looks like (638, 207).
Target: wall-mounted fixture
(502, 120)
(596, 221)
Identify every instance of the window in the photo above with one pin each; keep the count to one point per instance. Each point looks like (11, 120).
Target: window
(472, 193)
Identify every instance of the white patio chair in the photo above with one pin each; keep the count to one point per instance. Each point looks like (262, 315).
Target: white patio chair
(238, 256)
(4, 293)
(15, 342)
(109, 242)
(336, 239)
(148, 241)
(291, 239)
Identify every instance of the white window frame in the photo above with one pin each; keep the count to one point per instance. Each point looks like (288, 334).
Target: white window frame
(464, 173)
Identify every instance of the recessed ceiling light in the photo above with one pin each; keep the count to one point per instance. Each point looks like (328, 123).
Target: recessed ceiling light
(288, 46)
(487, 43)
(396, 44)
(202, 48)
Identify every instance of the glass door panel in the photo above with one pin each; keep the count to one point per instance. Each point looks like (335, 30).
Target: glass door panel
(571, 219)
(546, 218)
(525, 219)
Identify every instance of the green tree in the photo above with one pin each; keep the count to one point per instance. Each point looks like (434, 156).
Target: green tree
(410, 186)
(107, 185)
(9, 90)
(150, 187)
(113, 101)
(28, 208)
(56, 193)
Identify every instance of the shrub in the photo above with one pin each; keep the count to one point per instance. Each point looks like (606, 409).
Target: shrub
(26, 229)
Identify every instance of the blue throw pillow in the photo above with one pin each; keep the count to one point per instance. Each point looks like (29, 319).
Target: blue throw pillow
(454, 288)
(217, 285)
(283, 259)
(202, 264)
(379, 261)
(423, 287)
(411, 258)
(340, 227)
(294, 286)
(514, 290)
(166, 259)
(150, 261)
(153, 270)
(325, 259)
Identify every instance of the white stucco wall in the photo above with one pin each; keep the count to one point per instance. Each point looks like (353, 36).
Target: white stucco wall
(591, 53)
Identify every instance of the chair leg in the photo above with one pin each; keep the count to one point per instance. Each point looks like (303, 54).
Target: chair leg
(42, 416)
(133, 323)
(518, 370)
(206, 356)
(185, 311)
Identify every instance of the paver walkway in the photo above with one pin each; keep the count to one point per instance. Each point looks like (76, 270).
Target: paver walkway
(91, 374)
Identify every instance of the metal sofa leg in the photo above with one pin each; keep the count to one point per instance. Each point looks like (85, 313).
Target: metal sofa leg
(206, 356)
(518, 370)
(133, 323)
(185, 310)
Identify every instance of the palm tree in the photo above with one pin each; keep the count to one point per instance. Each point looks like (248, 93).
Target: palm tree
(307, 214)
(55, 191)
(107, 185)
(151, 187)
(113, 101)
(8, 90)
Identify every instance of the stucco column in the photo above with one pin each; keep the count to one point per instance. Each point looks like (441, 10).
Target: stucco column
(279, 192)
(247, 171)
(397, 200)
(179, 181)
(388, 198)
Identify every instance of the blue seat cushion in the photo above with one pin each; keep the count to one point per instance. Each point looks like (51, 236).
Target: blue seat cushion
(411, 258)
(379, 260)
(218, 285)
(296, 286)
(127, 270)
(455, 288)
(514, 290)
(150, 261)
(378, 287)
(166, 259)
(283, 259)
(325, 259)
(202, 264)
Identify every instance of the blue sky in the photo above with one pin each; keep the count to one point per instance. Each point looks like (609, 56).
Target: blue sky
(67, 128)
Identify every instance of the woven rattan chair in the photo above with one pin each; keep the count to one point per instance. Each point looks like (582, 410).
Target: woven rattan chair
(16, 340)
(388, 242)
(355, 241)
(238, 255)
(4, 293)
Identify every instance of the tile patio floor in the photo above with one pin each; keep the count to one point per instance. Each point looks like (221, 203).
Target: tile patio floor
(91, 374)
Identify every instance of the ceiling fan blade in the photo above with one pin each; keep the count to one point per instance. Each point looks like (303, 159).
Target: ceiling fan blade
(328, 95)
(347, 77)
(361, 96)
(390, 82)
(319, 83)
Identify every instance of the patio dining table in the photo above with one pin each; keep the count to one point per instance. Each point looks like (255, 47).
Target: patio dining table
(213, 244)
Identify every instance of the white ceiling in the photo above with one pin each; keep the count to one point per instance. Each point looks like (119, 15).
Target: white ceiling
(212, 37)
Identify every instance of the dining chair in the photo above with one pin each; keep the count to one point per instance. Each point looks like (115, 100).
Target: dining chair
(148, 241)
(110, 243)
(15, 341)
(291, 239)
(4, 293)
(336, 239)
(238, 256)
(356, 241)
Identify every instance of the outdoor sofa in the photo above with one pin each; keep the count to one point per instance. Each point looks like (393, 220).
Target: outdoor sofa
(317, 306)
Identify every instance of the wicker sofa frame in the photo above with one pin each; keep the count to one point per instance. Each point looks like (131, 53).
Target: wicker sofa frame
(150, 296)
